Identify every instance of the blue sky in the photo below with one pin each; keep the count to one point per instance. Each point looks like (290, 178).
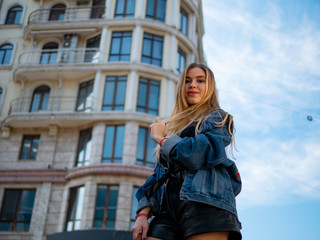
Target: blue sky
(266, 60)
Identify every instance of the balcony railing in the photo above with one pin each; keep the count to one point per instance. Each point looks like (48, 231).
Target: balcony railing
(66, 14)
(60, 56)
(51, 104)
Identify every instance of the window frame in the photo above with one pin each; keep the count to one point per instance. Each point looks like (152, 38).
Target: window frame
(32, 138)
(74, 207)
(124, 36)
(87, 139)
(57, 12)
(183, 18)
(15, 13)
(180, 54)
(150, 82)
(106, 206)
(5, 52)
(150, 58)
(114, 106)
(156, 5)
(124, 12)
(145, 144)
(112, 158)
(18, 208)
(86, 86)
(44, 96)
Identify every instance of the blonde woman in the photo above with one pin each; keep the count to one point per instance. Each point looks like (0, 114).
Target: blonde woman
(191, 194)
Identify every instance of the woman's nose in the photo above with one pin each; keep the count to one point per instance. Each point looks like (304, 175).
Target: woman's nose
(192, 83)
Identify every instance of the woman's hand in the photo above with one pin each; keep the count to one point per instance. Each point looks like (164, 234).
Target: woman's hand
(158, 131)
(141, 226)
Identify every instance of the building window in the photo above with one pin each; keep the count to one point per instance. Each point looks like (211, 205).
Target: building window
(113, 144)
(75, 208)
(29, 148)
(152, 49)
(125, 8)
(114, 93)
(1, 92)
(92, 50)
(183, 21)
(181, 60)
(120, 47)
(145, 149)
(148, 96)
(84, 101)
(57, 12)
(98, 8)
(84, 148)
(5, 54)
(16, 211)
(40, 99)
(134, 205)
(49, 53)
(106, 207)
(14, 15)
(156, 9)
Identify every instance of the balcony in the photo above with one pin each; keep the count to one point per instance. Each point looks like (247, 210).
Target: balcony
(65, 112)
(65, 20)
(48, 64)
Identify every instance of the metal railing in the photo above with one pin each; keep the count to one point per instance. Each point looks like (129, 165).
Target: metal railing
(66, 14)
(51, 104)
(60, 56)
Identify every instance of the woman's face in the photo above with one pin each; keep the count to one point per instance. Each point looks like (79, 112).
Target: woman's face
(195, 85)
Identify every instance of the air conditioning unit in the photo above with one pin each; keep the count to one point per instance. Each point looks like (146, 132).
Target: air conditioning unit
(82, 1)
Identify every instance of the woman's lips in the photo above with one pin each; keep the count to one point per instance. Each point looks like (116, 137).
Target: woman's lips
(192, 93)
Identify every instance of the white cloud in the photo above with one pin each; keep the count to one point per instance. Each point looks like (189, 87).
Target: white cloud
(267, 74)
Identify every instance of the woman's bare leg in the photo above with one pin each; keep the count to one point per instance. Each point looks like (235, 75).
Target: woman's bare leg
(210, 236)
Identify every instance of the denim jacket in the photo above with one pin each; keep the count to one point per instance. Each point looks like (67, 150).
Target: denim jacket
(211, 177)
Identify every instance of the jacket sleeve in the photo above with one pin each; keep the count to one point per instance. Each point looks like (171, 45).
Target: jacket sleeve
(154, 201)
(205, 150)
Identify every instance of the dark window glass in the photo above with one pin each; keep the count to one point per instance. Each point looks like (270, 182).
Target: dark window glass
(14, 15)
(84, 101)
(84, 148)
(148, 96)
(146, 145)
(183, 21)
(134, 205)
(49, 53)
(5, 54)
(92, 49)
(16, 211)
(181, 61)
(57, 12)
(152, 49)
(114, 93)
(98, 8)
(0, 94)
(156, 9)
(40, 99)
(124, 8)
(75, 208)
(29, 148)
(106, 207)
(120, 47)
(113, 144)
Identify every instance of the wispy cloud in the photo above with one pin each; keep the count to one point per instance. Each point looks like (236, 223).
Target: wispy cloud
(268, 75)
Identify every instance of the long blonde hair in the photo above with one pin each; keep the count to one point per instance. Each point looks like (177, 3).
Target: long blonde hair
(183, 114)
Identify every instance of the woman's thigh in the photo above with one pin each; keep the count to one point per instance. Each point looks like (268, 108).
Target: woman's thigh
(210, 236)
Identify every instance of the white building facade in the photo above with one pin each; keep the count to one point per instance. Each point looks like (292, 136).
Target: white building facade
(81, 81)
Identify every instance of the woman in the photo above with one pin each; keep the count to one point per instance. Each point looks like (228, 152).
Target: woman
(192, 191)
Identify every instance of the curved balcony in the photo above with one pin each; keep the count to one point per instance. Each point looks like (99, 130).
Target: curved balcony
(65, 112)
(46, 64)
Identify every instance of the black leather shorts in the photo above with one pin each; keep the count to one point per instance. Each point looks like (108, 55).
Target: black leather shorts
(180, 219)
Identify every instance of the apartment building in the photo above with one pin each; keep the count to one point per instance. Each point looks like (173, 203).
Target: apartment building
(81, 81)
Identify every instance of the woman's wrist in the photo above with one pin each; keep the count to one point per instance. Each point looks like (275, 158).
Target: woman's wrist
(162, 141)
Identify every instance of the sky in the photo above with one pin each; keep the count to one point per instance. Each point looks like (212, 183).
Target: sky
(266, 59)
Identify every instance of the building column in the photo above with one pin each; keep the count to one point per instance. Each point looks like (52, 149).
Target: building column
(103, 45)
(193, 29)
(173, 52)
(40, 210)
(90, 202)
(136, 43)
(130, 143)
(170, 97)
(175, 13)
(131, 92)
(124, 206)
(97, 139)
(140, 8)
(95, 97)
